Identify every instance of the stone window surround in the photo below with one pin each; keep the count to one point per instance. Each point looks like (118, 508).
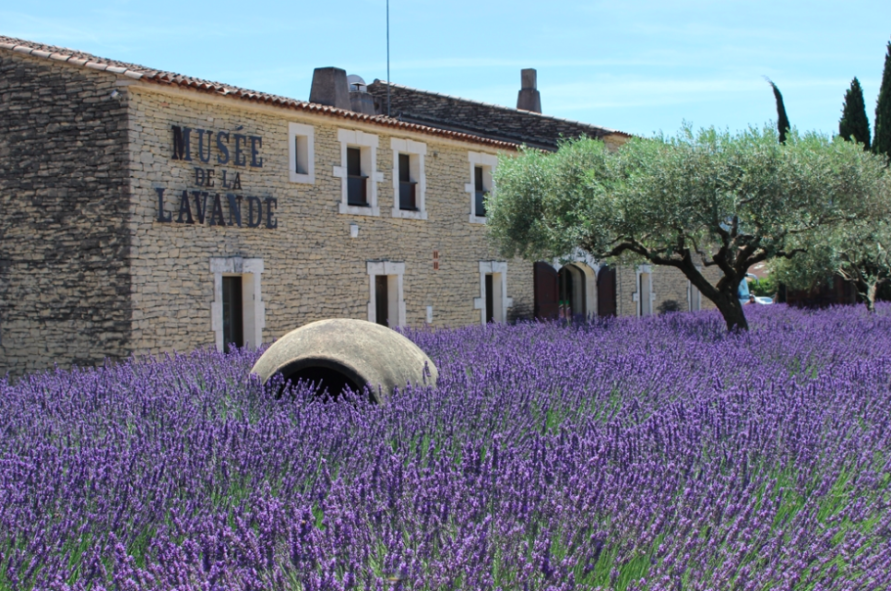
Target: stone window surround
(499, 283)
(488, 162)
(368, 144)
(396, 271)
(416, 152)
(641, 269)
(254, 306)
(306, 132)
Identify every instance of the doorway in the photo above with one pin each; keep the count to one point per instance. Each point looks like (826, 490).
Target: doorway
(233, 313)
(381, 300)
(571, 292)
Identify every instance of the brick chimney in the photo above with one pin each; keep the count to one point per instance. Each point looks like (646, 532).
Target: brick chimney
(529, 99)
(329, 87)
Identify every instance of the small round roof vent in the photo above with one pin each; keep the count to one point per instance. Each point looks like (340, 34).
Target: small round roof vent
(356, 83)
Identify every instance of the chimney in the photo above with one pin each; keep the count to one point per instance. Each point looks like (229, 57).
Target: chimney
(360, 100)
(329, 87)
(529, 99)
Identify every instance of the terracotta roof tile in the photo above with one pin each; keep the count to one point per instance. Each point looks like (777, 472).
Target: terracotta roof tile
(79, 58)
(459, 114)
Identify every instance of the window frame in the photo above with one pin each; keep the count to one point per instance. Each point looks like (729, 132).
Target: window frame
(636, 297)
(253, 306)
(395, 273)
(488, 162)
(367, 144)
(500, 301)
(306, 133)
(416, 152)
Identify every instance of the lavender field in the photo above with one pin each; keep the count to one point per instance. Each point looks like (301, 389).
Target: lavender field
(626, 454)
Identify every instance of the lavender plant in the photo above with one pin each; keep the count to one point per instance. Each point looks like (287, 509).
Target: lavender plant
(661, 454)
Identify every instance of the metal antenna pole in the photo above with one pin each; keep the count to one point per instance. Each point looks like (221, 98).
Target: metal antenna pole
(388, 58)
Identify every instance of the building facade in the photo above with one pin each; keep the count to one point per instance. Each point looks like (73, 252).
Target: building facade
(145, 212)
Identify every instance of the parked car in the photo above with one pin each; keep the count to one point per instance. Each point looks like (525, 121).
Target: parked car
(746, 297)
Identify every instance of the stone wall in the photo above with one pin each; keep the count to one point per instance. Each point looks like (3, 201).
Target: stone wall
(90, 268)
(669, 285)
(313, 269)
(64, 245)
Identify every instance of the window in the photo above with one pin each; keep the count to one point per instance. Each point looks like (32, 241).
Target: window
(481, 168)
(358, 173)
(694, 296)
(493, 301)
(238, 313)
(644, 295)
(479, 193)
(409, 183)
(357, 187)
(301, 156)
(386, 305)
(408, 199)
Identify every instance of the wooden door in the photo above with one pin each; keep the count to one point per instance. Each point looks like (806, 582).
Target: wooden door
(545, 291)
(606, 292)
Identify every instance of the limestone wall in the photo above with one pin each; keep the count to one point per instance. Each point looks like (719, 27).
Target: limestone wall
(98, 258)
(313, 269)
(64, 245)
(669, 285)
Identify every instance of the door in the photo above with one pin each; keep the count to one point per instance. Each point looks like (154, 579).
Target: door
(381, 300)
(546, 291)
(606, 292)
(490, 299)
(233, 313)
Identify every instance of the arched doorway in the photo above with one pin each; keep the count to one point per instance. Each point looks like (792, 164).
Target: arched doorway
(606, 291)
(571, 292)
(565, 293)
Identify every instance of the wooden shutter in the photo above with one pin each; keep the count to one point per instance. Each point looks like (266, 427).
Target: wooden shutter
(606, 292)
(545, 291)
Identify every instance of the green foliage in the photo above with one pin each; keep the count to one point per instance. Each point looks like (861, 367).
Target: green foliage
(854, 125)
(766, 287)
(858, 251)
(701, 199)
(783, 126)
(882, 142)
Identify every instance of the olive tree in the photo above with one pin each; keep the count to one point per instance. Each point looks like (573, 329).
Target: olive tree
(859, 252)
(701, 200)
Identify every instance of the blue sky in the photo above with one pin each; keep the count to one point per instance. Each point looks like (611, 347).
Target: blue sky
(637, 66)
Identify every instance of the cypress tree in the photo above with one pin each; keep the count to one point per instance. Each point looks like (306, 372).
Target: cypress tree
(854, 125)
(882, 142)
(782, 121)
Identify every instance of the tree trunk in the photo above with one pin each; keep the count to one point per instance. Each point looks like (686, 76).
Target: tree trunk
(732, 311)
(871, 291)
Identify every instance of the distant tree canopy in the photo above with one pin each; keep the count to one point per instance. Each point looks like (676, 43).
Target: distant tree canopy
(882, 142)
(858, 251)
(700, 200)
(854, 125)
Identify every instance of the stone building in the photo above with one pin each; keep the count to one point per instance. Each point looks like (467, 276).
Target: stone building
(142, 211)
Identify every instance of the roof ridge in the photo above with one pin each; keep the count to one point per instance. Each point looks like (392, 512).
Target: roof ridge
(502, 107)
(161, 77)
